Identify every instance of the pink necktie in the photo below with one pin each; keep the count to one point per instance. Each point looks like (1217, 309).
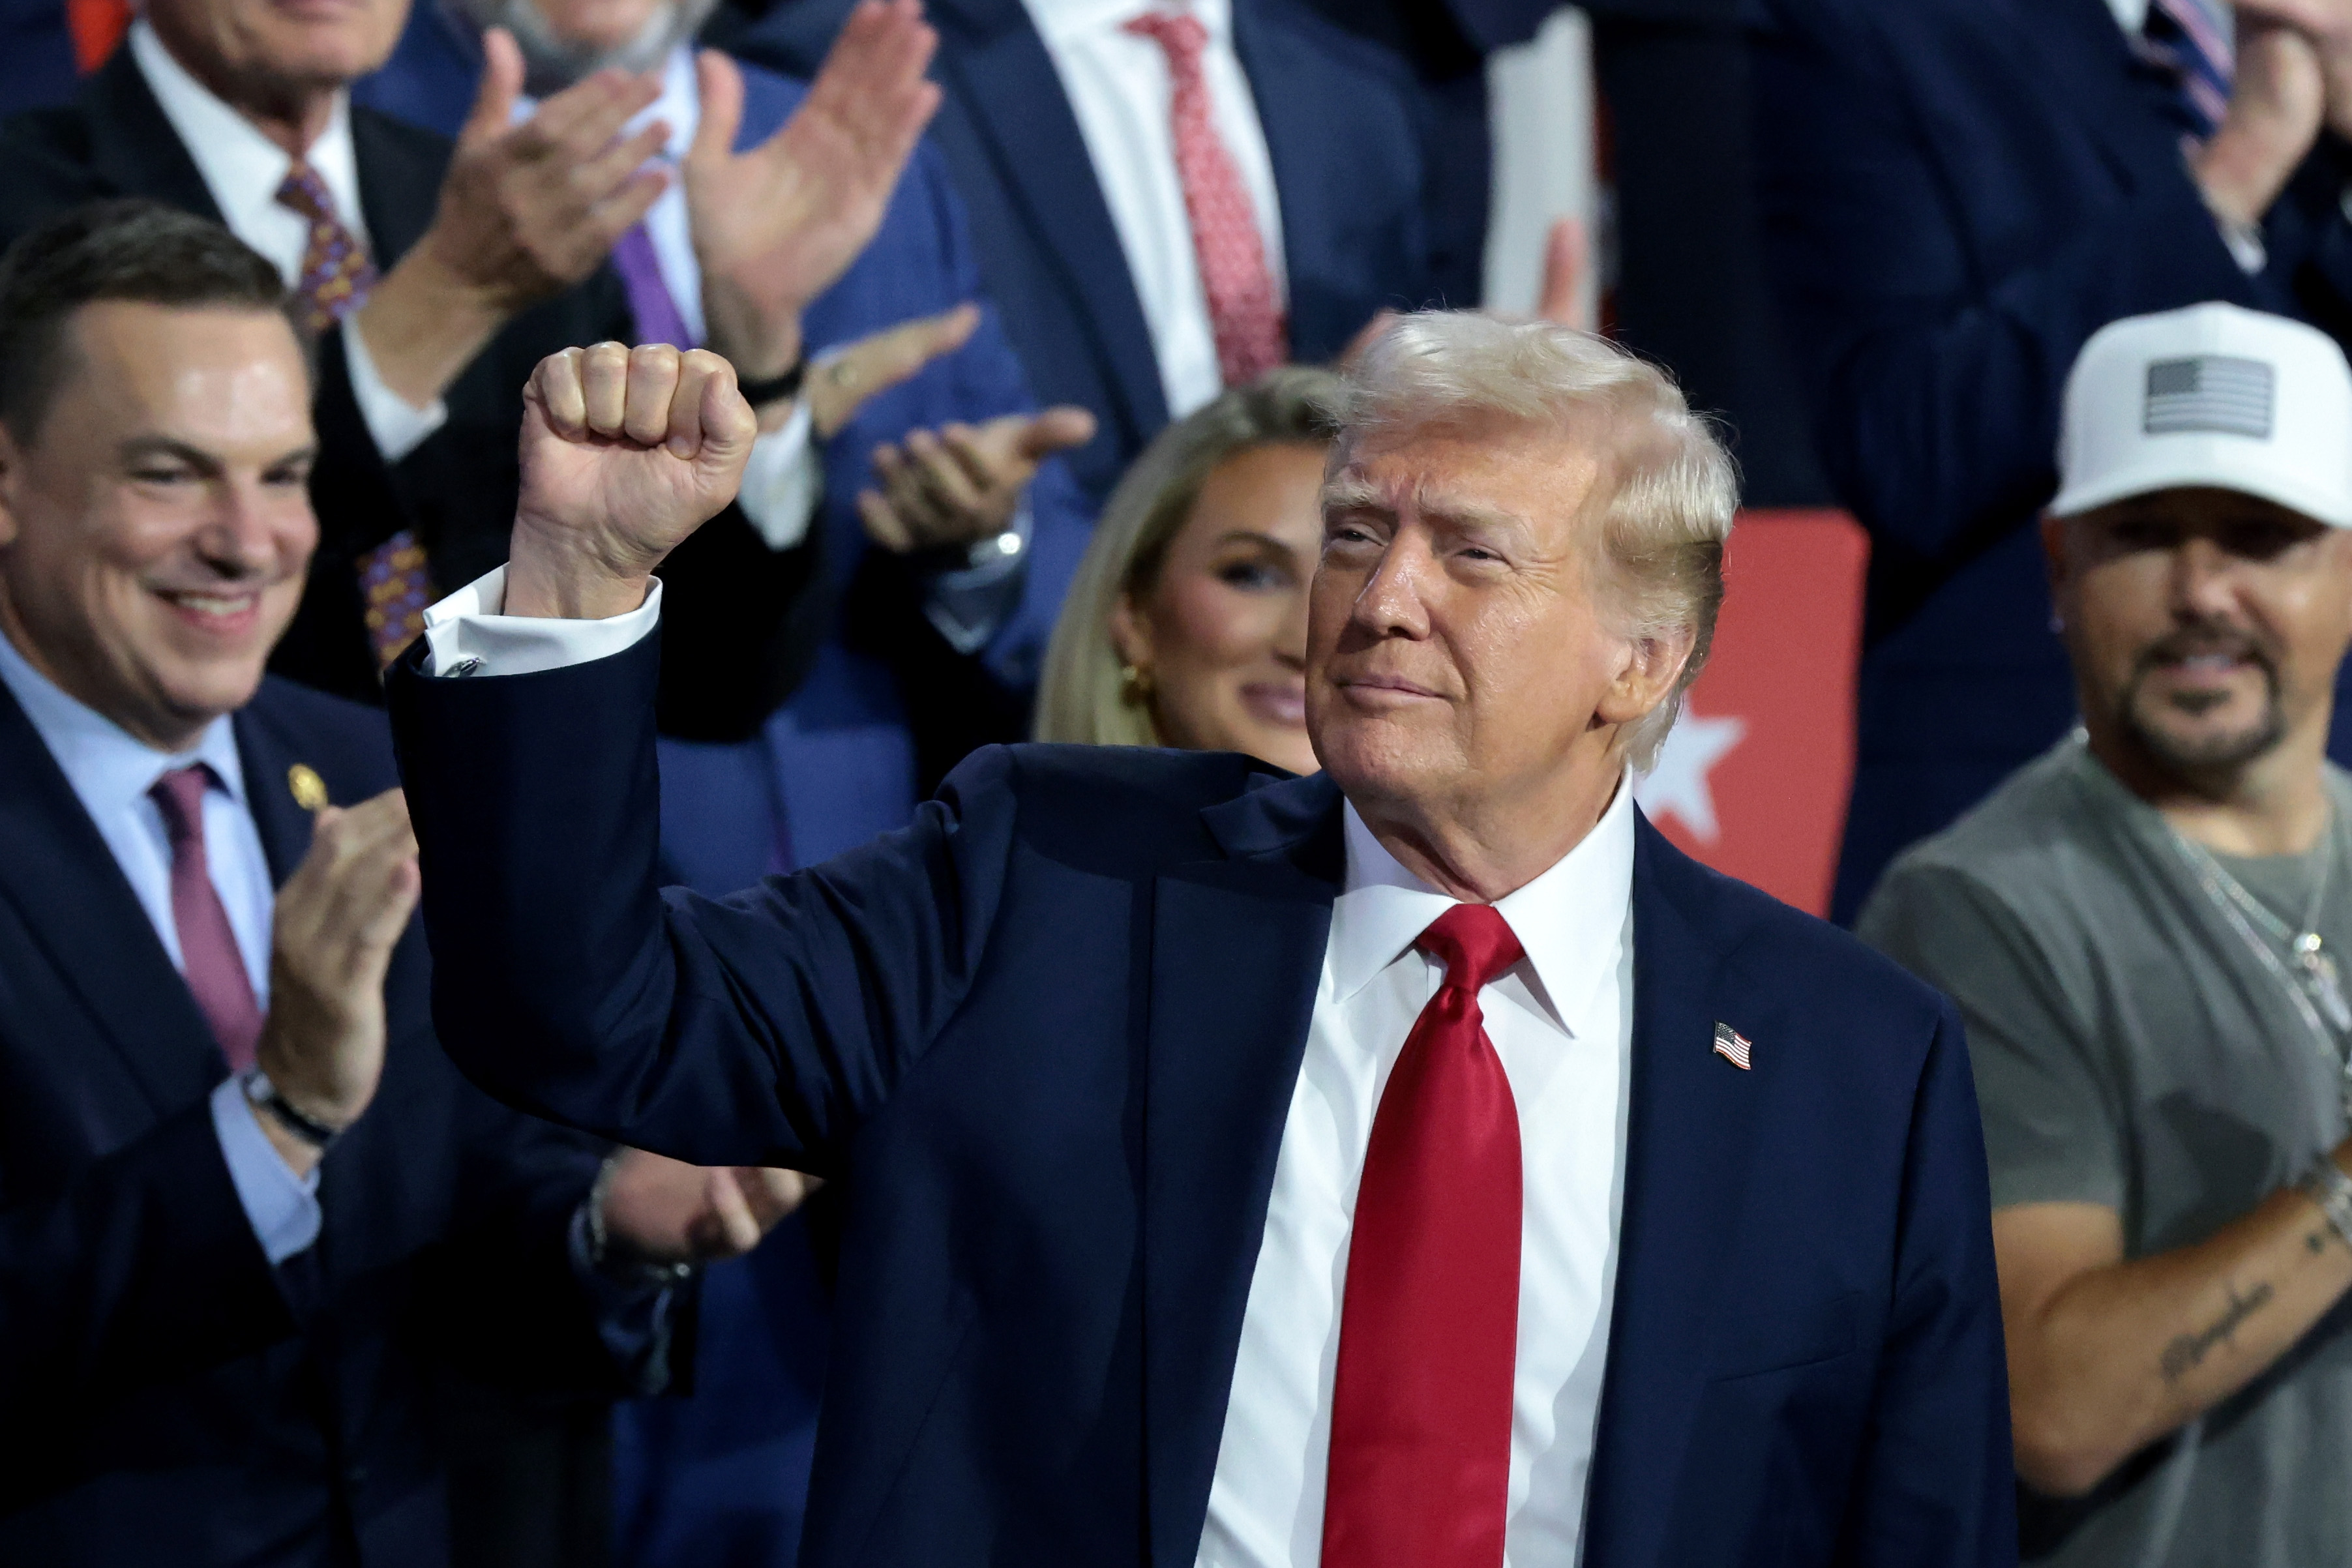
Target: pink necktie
(394, 587)
(1421, 1405)
(208, 951)
(1243, 312)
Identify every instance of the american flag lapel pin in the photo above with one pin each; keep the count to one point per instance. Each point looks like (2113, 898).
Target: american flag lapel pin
(1732, 1046)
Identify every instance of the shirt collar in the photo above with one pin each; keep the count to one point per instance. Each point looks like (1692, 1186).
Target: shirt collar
(1061, 21)
(109, 768)
(241, 167)
(1569, 920)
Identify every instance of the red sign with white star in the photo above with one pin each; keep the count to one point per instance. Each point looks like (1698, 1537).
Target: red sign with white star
(1754, 780)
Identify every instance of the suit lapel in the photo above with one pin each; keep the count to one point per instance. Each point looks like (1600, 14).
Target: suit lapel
(283, 824)
(1237, 955)
(90, 927)
(133, 147)
(2084, 61)
(1689, 1134)
(1019, 109)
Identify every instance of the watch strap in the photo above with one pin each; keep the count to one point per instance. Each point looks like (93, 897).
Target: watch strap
(263, 1095)
(775, 388)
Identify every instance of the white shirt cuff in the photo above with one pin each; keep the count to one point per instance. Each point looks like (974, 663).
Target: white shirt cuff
(783, 481)
(282, 1208)
(466, 634)
(397, 426)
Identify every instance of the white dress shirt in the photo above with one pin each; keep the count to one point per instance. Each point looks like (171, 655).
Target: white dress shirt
(243, 170)
(1119, 87)
(1561, 1021)
(784, 482)
(112, 772)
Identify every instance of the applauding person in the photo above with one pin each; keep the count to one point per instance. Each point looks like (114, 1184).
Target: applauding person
(250, 1217)
(436, 275)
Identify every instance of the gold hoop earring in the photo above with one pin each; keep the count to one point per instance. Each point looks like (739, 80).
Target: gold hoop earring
(1134, 685)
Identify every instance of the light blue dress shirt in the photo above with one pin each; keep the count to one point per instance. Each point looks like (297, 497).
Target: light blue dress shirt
(111, 773)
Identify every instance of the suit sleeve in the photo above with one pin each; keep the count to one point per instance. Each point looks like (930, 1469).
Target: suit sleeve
(143, 1268)
(1935, 391)
(1936, 1484)
(760, 1029)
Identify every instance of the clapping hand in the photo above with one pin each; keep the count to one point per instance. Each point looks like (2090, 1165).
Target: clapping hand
(959, 485)
(624, 453)
(666, 1212)
(775, 225)
(337, 920)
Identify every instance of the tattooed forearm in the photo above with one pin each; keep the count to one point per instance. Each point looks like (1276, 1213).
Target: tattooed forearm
(2188, 1352)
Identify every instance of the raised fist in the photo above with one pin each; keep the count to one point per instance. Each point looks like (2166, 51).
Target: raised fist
(624, 453)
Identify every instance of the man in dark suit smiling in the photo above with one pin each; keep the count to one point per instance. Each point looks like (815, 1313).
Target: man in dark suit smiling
(248, 1214)
(1413, 1163)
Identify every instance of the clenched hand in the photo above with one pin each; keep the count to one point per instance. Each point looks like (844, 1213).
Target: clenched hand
(626, 452)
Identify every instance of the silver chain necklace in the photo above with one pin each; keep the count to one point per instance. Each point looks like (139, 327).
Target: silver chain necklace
(2308, 973)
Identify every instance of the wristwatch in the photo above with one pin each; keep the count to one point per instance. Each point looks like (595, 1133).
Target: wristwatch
(775, 388)
(615, 1263)
(262, 1095)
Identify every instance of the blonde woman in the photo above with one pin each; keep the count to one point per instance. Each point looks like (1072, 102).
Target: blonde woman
(1187, 624)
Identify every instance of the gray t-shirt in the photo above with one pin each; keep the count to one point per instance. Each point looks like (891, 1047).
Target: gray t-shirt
(2130, 1050)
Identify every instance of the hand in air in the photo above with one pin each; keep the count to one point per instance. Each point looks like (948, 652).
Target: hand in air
(626, 452)
(775, 226)
(959, 484)
(666, 1212)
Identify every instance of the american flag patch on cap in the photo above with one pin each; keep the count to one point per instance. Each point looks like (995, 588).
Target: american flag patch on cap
(1732, 1046)
(2213, 393)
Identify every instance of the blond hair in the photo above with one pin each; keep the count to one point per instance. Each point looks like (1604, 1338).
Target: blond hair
(1082, 697)
(1672, 490)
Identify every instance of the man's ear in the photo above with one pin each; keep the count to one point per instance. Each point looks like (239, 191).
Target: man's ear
(1652, 667)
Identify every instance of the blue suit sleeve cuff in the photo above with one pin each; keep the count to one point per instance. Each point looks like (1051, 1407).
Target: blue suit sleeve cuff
(282, 1208)
(968, 604)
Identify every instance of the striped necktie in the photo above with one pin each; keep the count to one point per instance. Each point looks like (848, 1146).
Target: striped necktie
(2195, 40)
(395, 585)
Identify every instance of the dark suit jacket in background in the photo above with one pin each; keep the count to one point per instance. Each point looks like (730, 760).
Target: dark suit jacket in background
(743, 622)
(1956, 195)
(169, 1397)
(1343, 125)
(1052, 1031)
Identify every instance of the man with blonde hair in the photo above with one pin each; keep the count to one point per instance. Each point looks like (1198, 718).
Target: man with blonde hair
(1252, 1171)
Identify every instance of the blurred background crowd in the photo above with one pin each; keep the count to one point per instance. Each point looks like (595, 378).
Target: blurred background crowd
(1041, 460)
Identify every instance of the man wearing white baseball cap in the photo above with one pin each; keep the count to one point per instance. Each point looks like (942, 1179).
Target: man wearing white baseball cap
(2149, 931)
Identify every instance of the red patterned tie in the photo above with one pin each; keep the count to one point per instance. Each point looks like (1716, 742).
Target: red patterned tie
(336, 276)
(208, 951)
(1421, 1405)
(1244, 311)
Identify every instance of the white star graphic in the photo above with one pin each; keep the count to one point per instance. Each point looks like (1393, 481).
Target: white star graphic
(1677, 784)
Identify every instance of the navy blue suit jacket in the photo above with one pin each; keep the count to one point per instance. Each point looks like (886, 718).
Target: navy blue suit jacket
(1051, 1031)
(1956, 195)
(171, 1398)
(1341, 120)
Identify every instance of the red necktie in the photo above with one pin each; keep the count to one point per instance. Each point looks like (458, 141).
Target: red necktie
(1421, 1406)
(395, 585)
(1243, 313)
(208, 951)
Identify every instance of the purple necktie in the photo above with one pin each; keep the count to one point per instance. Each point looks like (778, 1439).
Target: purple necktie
(208, 951)
(650, 301)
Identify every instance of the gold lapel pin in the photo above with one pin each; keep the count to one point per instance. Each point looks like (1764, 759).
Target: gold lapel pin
(309, 789)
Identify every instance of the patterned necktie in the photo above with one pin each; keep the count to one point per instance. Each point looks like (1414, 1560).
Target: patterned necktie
(1421, 1403)
(208, 951)
(2194, 40)
(395, 585)
(1244, 315)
